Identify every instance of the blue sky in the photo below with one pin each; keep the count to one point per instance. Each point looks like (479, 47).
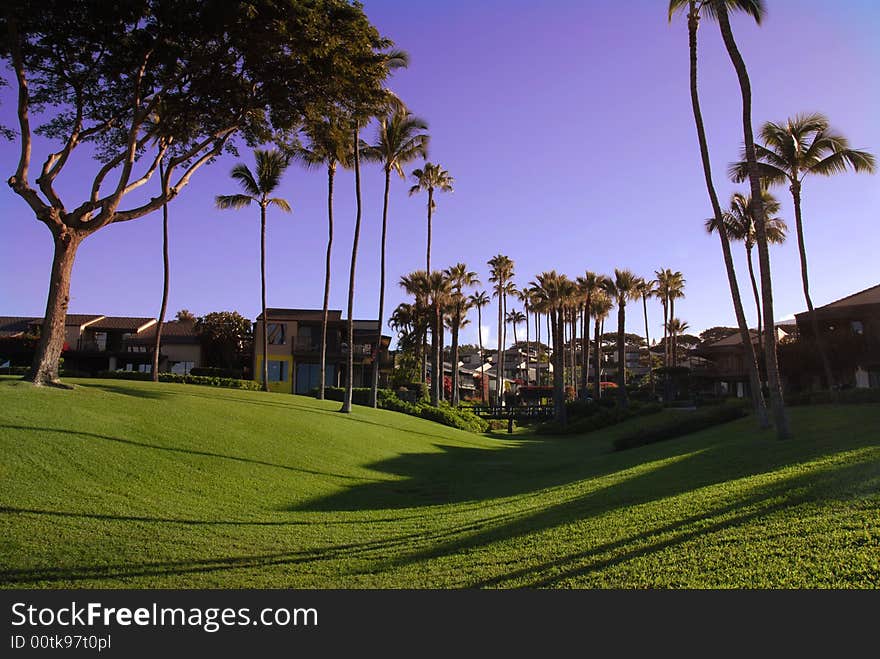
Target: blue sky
(568, 129)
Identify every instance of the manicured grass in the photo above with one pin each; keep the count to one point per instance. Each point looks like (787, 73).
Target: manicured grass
(130, 484)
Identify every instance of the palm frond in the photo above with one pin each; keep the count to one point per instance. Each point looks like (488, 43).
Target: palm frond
(859, 161)
(278, 202)
(233, 201)
(246, 180)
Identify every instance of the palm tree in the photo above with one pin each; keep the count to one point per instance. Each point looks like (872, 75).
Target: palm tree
(479, 300)
(740, 226)
(693, 16)
(438, 290)
(399, 140)
(670, 287)
(676, 326)
(515, 318)
(623, 287)
(525, 296)
(460, 278)
(258, 188)
(552, 292)
(648, 288)
(166, 273)
(805, 144)
(429, 178)
(330, 145)
(719, 8)
(588, 286)
(501, 274)
(600, 307)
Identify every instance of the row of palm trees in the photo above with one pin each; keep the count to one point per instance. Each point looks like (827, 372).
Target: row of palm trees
(802, 145)
(440, 300)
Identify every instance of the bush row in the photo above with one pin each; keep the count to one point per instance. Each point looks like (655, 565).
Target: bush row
(602, 417)
(228, 383)
(680, 424)
(846, 396)
(388, 400)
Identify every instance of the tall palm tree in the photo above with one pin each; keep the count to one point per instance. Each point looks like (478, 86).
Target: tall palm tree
(802, 145)
(552, 293)
(514, 318)
(460, 278)
(600, 307)
(500, 275)
(257, 189)
(438, 290)
(479, 300)
(399, 140)
(676, 326)
(674, 291)
(740, 226)
(328, 144)
(524, 296)
(670, 287)
(430, 178)
(755, 8)
(588, 285)
(693, 17)
(648, 288)
(623, 287)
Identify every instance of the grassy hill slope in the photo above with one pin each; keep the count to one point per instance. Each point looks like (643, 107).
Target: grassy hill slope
(132, 484)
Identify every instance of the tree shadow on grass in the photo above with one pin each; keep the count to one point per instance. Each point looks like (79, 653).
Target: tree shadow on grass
(172, 449)
(151, 393)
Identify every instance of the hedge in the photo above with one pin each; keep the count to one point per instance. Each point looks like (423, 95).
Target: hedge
(681, 424)
(228, 383)
(845, 396)
(601, 417)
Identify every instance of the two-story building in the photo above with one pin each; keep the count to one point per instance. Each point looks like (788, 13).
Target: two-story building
(294, 350)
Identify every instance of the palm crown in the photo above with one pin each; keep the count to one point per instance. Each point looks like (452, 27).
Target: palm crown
(270, 167)
(740, 224)
(429, 178)
(398, 140)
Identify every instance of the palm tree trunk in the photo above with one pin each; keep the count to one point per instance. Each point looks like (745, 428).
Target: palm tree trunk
(516, 345)
(428, 253)
(374, 388)
(745, 335)
(349, 379)
(528, 351)
(621, 353)
(648, 344)
(499, 366)
(597, 388)
(585, 346)
(558, 367)
(484, 384)
(436, 363)
(165, 272)
(331, 172)
(44, 370)
(665, 331)
(265, 345)
(777, 401)
(456, 399)
(814, 322)
(757, 298)
(673, 348)
(442, 339)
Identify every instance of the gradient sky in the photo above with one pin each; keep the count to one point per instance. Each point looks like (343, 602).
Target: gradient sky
(567, 126)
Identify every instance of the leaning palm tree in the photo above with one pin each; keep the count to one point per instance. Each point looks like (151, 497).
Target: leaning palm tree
(328, 144)
(460, 278)
(740, 226)
(719, 9)
(805, 144)
(430, 178)
(399, 140)
(693, 17)
(257, 189)
(501, 274)
(479, 300)
(648, 288)
(623, 287)
(600, 307)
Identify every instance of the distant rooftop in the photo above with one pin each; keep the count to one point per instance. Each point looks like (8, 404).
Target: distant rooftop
(868, 296)
(122, 323)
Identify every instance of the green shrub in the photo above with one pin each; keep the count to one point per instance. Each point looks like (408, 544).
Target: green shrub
(845, 396)
(213, 372)
(681, 424)
(228, 383)
(449, 416)
(601, 417)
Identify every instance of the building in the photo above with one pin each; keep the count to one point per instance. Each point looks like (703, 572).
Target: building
(721, 366)
(180, 350)
(850, 329)
(294, 350)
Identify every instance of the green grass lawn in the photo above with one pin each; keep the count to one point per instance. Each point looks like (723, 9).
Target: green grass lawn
(130, 484)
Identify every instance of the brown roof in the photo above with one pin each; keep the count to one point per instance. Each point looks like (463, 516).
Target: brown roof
(122, 323)
(172, 332)
(74, 319)
(868, 296)
(11, 326)
(300, 314)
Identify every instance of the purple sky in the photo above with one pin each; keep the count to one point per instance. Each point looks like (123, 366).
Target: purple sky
(568, 129)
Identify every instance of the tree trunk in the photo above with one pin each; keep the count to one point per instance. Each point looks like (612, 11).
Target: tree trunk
(331, 172)
(673, 348)
(648, 344)
(558, 367)
(349, 379)
(428, 253)
(374, 388)
(585, 347)
(516, 345)
(666, 331)
(436, 364)
(166, 275)
(777, 401)
(484, 383)
(757, 298)
(528, 351)
(814, 322)
(455, 374)
(441, 392)
(745, 335)
(621, 354)
(265, 346)
(597, 387)
(44, 370)
(499, 368)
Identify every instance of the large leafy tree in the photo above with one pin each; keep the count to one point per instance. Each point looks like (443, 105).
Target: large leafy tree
(460, 279)
(99, 70)
(740, 225)
(720, 9)
(399, 140)
(258, 188)
(328, 144)
(430, 178)
(802, 145)
(226, 338)
(695, 10)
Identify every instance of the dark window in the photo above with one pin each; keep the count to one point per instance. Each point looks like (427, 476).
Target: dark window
(857, 327)
(277, 370)
(275, 332)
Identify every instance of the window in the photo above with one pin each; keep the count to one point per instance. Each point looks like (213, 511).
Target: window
(275, 333)
(857, 327)
(182, 368)
(277, 370)
(145, 368)
(101, 341)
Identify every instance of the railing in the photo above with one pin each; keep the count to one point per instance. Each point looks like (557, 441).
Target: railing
(513, 411)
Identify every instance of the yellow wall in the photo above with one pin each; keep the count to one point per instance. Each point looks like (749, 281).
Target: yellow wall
(285, 387)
